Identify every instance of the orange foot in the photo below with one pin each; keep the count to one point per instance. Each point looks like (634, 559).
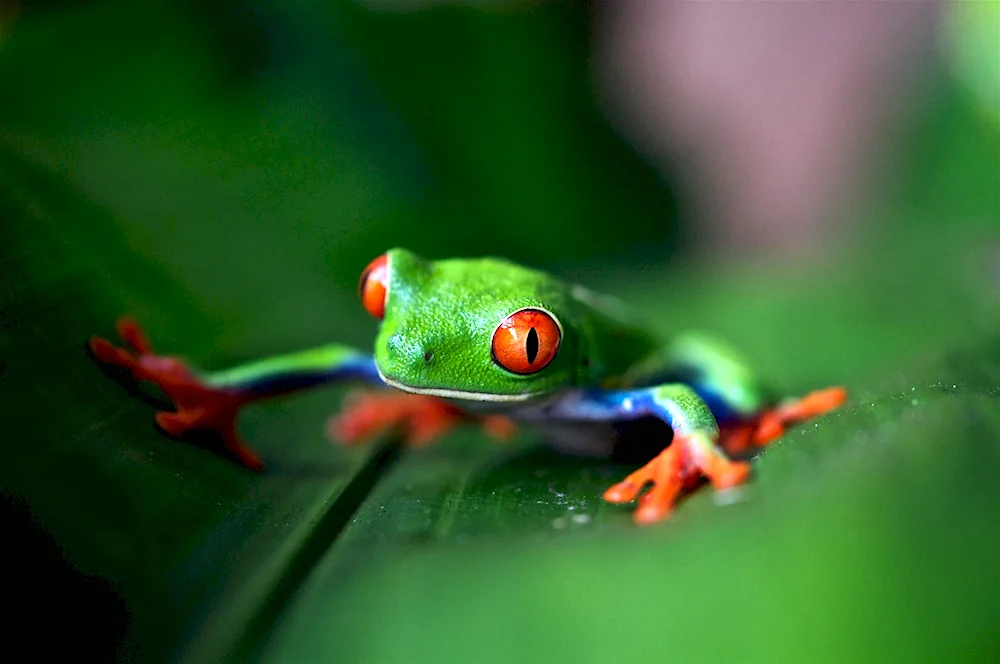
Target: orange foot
(419, 419)
(740, 437)
(772, 423)
(198, 406)
(682, 465)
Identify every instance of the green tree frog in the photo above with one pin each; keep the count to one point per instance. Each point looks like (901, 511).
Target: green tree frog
(490, 341)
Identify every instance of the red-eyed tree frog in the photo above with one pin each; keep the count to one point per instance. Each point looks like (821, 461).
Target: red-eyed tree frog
(489, 341)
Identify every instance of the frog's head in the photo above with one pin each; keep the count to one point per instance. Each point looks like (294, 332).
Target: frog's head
(482, 330)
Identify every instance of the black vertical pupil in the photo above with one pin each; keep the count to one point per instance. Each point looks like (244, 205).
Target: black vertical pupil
(531, 345)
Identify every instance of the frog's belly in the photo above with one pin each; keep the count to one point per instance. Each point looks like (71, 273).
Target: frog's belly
(510, 408)
(629, 441)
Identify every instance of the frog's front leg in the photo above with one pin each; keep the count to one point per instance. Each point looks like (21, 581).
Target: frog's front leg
(211, 400)
(692, 455)
(419, 419)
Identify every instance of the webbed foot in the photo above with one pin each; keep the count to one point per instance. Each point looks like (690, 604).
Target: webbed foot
(739, 438)
(198, 406)
(680, 466)
(419, 419)
(772, 423)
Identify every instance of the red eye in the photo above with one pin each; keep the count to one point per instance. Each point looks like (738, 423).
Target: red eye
(374, 286)
(526, 341)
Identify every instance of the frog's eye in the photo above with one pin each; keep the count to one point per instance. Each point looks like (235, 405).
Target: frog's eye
(526, 341)
(374, 286)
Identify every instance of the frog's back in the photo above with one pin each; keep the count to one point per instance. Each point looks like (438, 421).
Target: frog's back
(601, 340)
(612, 343)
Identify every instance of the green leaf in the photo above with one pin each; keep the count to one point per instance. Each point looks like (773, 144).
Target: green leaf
(867, 536)
(185, 538)
(227, 181)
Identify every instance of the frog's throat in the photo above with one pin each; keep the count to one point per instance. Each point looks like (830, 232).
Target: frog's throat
(456, 394)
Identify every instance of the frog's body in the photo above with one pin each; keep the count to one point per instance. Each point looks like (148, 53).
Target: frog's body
(477, 339)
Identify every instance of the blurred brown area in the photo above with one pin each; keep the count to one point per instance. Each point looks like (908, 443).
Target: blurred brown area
(9, 10)
(774, 115)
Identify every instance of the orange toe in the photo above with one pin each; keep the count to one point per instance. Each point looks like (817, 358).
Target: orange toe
(106, 353)
(678, 468)
(417, 418)
(770, 427)
(736, 438)
(499, 427)
(732, 473)
(771, 424)
(133, 335)
(623, 492)
(198, 406)
(658, 504)
(813, 404)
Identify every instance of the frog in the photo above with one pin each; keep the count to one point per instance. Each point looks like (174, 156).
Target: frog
(495, 344)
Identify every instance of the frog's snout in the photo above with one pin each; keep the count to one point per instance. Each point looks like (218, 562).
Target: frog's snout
(407, 355)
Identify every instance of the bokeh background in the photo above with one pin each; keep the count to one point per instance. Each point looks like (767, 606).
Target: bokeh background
(818, 183)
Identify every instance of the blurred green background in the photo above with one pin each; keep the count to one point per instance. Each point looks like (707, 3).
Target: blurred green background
(224, 171)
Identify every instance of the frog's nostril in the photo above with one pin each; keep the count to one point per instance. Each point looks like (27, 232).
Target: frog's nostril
(408, 351)
(393, 344)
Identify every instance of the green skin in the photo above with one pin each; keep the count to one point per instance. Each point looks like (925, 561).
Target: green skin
(436, 336)
(436, 339)
(452, 308)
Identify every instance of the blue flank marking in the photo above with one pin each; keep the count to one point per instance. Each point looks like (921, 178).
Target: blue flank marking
(359, 369)
(628, 404)
(612, 405)
(692, 377)
(609, 405)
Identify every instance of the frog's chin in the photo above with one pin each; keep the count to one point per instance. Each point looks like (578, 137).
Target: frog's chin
(465, 395)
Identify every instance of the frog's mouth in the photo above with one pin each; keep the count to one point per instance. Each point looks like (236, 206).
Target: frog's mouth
(456, 394)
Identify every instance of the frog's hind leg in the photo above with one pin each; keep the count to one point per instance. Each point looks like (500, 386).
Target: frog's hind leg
(746, 411)
(739, 437)
(772, 423)
(736, 437)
